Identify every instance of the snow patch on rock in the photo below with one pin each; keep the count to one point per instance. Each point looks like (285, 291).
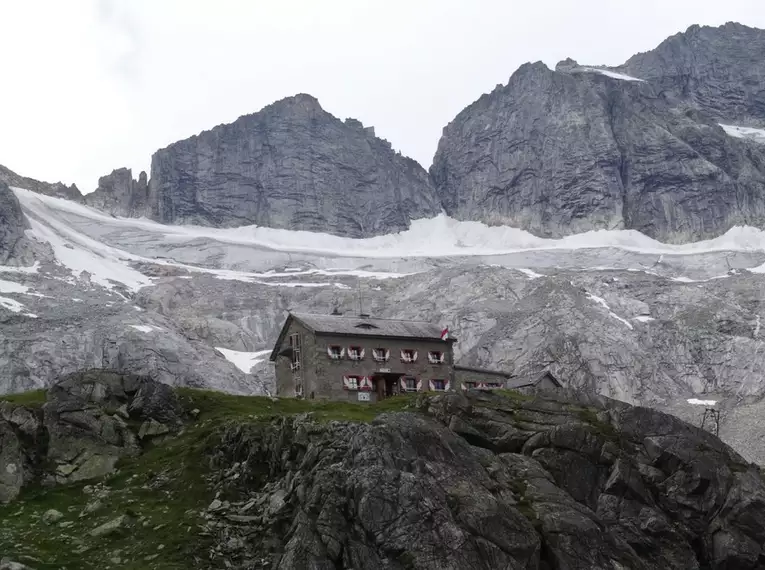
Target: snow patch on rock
(15, 307)
(602, 302)
(244, 361)
(145, 328)
(644, 319)
(696, 402)
(749, 133)
(11, 287)
(613, 74)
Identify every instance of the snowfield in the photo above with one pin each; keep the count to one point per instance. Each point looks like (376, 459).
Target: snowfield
(440, 236)
(76, 234)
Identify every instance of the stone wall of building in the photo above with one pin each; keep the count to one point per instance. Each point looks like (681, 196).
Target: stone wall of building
(471, 377)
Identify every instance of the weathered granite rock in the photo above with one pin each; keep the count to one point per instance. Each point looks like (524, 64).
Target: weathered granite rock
(90, 420)
(87, 435)
(57, 189)
(23, 444)
(12, 226)
(291, 165)
(553, 482)
(571, 150)
(119, 194)
(52, 516)
(114, 526)
(719, 70)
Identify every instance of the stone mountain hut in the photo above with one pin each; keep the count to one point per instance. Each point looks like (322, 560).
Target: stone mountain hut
(359, 358)
(363, 359)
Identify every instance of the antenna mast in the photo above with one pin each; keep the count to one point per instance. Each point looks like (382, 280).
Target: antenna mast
(361, 298)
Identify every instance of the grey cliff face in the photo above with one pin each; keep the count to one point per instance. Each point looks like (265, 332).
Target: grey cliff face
(719, 70)
(12, 225)
(294, 166)
(57, 189)
(119, 194)
(571, 150)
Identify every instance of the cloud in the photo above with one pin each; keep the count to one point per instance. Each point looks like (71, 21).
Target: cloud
(92, 85)
(121, 39)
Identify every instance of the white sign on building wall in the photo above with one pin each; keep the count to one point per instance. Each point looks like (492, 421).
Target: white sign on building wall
(363, 396)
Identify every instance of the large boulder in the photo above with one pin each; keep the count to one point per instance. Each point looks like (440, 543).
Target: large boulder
(95, 417)
(90, 420)
(23, 444)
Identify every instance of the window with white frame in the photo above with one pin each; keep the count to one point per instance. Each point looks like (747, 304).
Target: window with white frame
(411, 383)
(296, 352)
(408, 355)
(355, 353)
(436, 357)
(351, 382)
(438, 385)
(335, 352)
(381, 354)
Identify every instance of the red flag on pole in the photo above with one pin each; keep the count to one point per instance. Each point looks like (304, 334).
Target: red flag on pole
(445, 333)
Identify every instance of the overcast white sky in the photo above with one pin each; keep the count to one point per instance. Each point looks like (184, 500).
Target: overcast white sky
(91, 85)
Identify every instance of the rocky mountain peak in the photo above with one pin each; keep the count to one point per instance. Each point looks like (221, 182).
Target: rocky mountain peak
(633, 147)
(57, 189)
(291, 165)
(717, 69)
(119, 194)
(566, 65)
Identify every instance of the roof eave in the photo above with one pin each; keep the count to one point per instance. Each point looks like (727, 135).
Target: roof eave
(394, 337)
(280, 338)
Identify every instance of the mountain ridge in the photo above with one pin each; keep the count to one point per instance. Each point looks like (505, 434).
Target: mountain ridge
(598, 117)
(555, 152)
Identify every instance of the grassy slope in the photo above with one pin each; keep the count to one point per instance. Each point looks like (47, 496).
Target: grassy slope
(164, 490)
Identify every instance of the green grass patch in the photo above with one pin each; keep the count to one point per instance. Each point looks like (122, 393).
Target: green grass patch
(215, 406)
(164, 491)
(514, 395)
(32, 399)
(590, 417)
